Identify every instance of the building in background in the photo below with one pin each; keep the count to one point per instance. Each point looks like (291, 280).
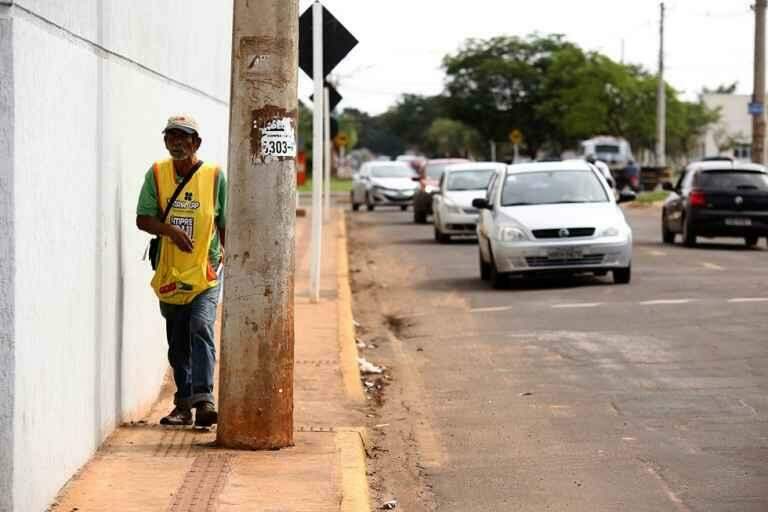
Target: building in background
(85, 89)
(732, 134)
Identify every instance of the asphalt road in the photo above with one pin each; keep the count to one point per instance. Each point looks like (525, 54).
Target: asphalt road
(576, 394)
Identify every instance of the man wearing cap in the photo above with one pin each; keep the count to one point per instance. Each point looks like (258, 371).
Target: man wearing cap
(190, 252)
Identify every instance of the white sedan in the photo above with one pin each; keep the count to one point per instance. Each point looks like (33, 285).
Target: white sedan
(384, 183)
(460, 184)
(556, 217)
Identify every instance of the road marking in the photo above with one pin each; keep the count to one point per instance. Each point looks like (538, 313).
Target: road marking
(666, 301)
(748, 299)
(491, 309)
(712, 266)
(657, 253)
(578, 305)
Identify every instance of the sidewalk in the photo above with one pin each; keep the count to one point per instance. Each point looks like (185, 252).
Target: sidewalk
(143, 467)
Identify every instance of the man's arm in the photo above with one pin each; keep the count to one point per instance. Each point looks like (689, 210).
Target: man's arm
(153, 226)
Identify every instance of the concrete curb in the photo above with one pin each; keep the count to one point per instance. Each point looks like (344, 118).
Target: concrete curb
(347, 343)
(351, 444)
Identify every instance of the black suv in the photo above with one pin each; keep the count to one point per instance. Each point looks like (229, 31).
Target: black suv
(717, 198)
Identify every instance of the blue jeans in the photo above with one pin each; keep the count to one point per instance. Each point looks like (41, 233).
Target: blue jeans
(191, 347)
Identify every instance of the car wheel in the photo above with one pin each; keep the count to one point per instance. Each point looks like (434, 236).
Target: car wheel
(403, 207)
(751, 241)
(622, 275)
(368, 204)
(441, 237)
(689, 235)
(666, 235)
(485, 268)
(498, 280)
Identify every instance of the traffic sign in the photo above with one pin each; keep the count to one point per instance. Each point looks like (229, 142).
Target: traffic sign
(515, 136)
(755, 109)
(337, 42)
(341, 139)
(333, 96)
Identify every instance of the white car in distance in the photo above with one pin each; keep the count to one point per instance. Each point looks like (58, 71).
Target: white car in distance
(460, 184)
(382, 183)
(552, 217)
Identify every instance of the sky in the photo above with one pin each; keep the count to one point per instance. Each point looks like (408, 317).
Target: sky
(402, 42)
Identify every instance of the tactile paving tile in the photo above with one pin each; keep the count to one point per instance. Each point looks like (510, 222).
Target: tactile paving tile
(203, 483)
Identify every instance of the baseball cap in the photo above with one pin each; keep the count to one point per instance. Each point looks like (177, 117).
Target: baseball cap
(183, 122)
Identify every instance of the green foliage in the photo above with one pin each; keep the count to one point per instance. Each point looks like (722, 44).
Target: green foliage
(449, 138)
(557, 94)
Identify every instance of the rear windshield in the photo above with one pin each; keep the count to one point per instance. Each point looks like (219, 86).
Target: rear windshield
(606, 148)
(552, 187)
(469, 180)
(392, 171)
(436, 170)
(732, 180)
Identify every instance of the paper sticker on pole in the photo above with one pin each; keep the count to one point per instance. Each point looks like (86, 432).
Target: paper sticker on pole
(273, 135)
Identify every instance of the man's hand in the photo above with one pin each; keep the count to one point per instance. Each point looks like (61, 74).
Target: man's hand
(153, 226)
(180, 238)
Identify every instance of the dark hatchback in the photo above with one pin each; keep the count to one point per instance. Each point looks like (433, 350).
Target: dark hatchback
(717, 198)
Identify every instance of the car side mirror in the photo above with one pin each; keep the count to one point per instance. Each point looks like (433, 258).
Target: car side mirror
(668, 186)
(481, 203)
(626, 196)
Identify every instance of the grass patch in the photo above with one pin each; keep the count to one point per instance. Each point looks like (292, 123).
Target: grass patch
(337, 185)
(651, 197)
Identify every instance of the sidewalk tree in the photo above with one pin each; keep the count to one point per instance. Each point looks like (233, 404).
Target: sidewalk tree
(449, 138)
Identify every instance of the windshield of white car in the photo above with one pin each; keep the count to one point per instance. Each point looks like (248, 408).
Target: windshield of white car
(392, 171)
(434, 171)
(552, 187)
(469, 180)
(732, 180)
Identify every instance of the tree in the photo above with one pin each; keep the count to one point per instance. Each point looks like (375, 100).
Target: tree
(496, 86)
(449, 138)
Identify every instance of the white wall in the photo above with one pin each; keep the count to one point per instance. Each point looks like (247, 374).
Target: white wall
(735, 122)
(7, 340)
(93, 82)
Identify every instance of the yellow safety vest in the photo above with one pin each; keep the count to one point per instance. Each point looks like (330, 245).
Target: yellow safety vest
(182, 276)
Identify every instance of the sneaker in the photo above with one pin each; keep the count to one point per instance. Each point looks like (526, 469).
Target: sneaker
(178, 417)
(205, 414)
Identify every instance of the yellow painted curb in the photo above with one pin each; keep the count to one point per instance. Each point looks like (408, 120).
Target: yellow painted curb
(351, 446)
(347, 344)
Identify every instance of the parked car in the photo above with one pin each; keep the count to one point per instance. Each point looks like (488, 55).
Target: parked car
(546, 217)
(429, 175)
(383, 183)
(459, 185)
(717, 198)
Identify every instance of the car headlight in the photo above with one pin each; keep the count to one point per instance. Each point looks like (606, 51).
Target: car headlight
(611, 231)
(510, 234)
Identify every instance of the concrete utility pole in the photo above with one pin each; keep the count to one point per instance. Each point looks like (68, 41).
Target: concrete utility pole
(758, 95)
(256, 394)
(661, 102)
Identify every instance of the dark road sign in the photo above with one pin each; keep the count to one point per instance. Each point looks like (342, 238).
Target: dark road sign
(333, 96)
(337, 42)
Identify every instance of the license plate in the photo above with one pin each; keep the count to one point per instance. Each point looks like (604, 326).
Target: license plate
(738, 222)
(565, 254)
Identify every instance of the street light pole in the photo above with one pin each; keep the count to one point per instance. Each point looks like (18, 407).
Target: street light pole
(758, 94)
(256, 373)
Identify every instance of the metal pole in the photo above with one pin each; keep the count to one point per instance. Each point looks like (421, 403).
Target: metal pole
(256, 373)
(661, 102)
(317, 153)
(493, 151)
(758, 97)
(516, 155)
(327, 155)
